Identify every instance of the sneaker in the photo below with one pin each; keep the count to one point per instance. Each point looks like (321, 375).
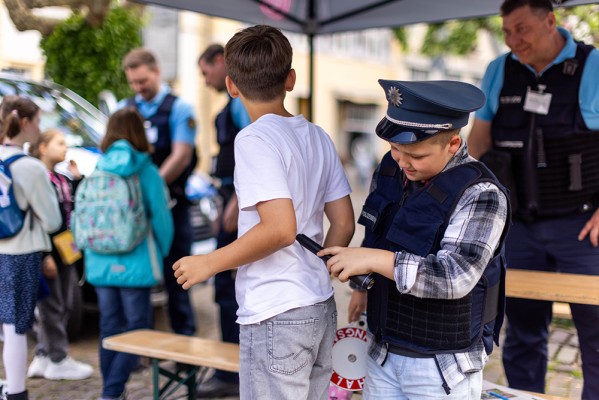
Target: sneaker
(3, 389)
(68, 369)
(38, 366)
(214, 388)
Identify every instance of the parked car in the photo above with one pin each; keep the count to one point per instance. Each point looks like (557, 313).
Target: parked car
(83, 126)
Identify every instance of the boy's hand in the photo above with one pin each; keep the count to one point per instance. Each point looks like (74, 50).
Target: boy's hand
(591, 229)
(350, 261)
(357, 305)
(192, 270)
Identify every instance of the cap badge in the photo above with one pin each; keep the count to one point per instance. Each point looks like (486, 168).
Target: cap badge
(394, 96)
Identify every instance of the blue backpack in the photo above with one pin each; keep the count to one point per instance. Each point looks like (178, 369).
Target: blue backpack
(11, 216)
(109, 215)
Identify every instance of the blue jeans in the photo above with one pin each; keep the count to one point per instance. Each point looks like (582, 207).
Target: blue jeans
(549, 245)
(121, 310)
(224, 295)
(180, 311)
(402, 378)
(289, 356)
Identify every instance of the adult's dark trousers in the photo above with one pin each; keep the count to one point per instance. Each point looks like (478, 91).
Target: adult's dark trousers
(549, 245)
(224, 296)
(180, 311)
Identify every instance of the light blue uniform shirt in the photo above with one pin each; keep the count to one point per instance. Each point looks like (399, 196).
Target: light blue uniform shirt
(588, 93)
(179, 121)
(240, 116)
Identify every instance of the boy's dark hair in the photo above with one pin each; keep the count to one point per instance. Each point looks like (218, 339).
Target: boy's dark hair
(509, 6)
(21, 107)
(126, 124)
(258, 61)
(138, 57)
(211, 52)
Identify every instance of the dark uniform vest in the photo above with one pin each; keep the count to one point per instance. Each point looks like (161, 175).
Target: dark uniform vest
(162, 146)
(415, 222)
(226, 131)
(551, 161)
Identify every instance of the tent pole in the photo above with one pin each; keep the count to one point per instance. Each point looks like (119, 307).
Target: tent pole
(311, 78)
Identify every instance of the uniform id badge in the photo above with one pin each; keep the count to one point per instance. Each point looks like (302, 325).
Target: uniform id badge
(537, 102)
(368, 218)
(151, 132)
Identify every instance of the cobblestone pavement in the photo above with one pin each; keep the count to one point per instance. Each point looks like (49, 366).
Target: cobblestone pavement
(563, 379)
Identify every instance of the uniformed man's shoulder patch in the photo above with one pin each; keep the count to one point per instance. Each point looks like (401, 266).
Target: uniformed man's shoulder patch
(191, 123)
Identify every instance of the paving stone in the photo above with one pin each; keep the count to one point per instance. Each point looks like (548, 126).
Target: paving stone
(567, 355)
(559, 336)
(552, 349)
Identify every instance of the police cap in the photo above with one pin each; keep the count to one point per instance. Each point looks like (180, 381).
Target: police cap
(418, 110)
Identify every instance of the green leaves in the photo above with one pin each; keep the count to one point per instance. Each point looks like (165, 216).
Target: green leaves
(88, 60)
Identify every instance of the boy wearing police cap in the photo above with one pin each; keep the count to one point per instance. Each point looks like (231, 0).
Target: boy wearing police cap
(435, 222)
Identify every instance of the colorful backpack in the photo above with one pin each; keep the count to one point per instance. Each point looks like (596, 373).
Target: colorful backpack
(109, 215)
(11, 216)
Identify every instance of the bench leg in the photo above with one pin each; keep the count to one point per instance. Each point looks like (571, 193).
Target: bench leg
(156, 379)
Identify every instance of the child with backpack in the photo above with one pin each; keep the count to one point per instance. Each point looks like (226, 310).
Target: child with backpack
(28, 212)
(51, 359)
(123, 222)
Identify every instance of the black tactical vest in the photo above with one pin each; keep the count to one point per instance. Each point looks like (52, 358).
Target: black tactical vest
(550, 162)
(416, 223)
(162, 146)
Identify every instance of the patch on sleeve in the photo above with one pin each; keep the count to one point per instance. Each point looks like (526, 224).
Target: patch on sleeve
(191, 123)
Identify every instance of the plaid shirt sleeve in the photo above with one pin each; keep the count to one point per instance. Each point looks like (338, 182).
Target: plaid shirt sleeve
(471, 238)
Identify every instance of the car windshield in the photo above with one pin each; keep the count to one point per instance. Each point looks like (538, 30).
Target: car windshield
(82, 124)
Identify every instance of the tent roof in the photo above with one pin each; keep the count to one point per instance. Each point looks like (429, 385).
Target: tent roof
(341, 15)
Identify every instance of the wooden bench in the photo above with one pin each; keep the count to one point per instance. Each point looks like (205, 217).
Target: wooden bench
(552, 286)
(193, 351)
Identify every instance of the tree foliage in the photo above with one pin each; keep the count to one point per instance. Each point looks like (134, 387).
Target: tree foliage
(460, 37)
(88, 60)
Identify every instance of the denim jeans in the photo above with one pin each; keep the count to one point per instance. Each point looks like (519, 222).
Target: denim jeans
(402, 378)
(289, 356)
(121, 310)
(180, 310)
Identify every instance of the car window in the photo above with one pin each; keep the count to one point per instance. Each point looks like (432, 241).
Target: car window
(82, 124)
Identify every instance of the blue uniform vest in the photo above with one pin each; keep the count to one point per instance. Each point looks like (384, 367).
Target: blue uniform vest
(551, 161)
(162, 146)
(226, 131)
(415, 222)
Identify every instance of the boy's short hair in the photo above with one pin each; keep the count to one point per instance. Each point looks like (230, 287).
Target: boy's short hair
(508, 6)
(258, 61)
(138, 57)
(443, 137)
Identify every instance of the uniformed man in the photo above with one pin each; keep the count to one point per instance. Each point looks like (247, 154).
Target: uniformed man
(232, 118)
(170, 128)
(541, 125)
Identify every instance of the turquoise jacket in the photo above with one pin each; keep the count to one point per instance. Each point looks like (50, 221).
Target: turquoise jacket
(142, 267)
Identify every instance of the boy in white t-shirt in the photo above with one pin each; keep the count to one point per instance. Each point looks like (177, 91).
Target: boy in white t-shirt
(287, 176)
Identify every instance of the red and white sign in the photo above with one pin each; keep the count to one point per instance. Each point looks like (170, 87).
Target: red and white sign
(350, 350)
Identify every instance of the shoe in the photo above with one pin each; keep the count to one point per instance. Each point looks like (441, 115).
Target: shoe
(38, 367)
(3, 390)
(68, 369)
(123, 396)
(214, 387)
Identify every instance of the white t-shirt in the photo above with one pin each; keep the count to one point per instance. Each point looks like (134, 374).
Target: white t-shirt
(285, 157)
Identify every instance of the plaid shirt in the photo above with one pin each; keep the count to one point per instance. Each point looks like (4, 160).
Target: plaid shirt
(471, 238)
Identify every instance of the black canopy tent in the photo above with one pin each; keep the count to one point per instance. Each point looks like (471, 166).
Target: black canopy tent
(316, 17)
